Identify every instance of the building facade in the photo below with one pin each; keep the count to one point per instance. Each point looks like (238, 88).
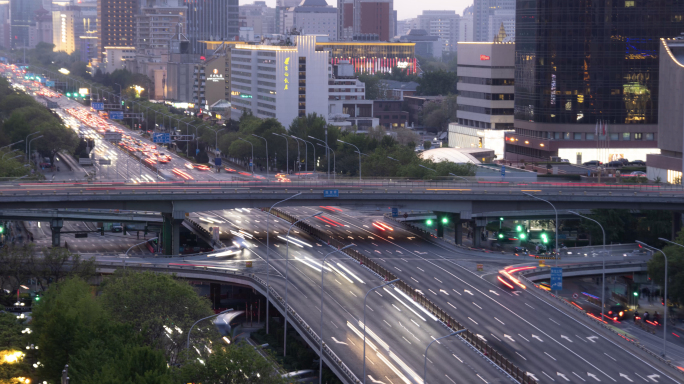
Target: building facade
(426, 45)
(211, 20)
(64, 31)
(564, 89)
(667, 165)
(357, 18)
(482, 10)
(372, 57)
(282, 82)
(347, 104)
(390, 114)
(21, 14)
(41, 32)
(116, 23)
(312, 17)
(258, 16)
(118, 58)
(444, 24)
(485, 96)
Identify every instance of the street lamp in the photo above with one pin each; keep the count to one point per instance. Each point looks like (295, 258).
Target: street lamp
(29, 147)
(129, 249)
(16, 142)
(364, 323)
(268, 253)
(556, 236)
(187, 345)
(603, 273)
(306, 153)
(664, 297)
(320, 353)
(428, 347)
(217, 131)
(27, 143)
(460, 177)
(392, 158)
(334, 162)
(9, 153)
(266, 156)
(252, 159)
(326, 153)
(422, 166)
(287, 152)
(357, 151)
(287, 264)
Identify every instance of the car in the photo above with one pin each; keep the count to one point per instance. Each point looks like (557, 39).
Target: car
(637, 163)
(188, 165)
(623, 161)
(565, 161)
(520, 250)
(615, 164)
(594, 163)
(202, 167)
(636, 174)
(545, 286)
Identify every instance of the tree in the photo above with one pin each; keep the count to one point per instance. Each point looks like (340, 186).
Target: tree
(427, 144)
(12, 341)
(675, 271)
(57, 263)
(437, 83)
(437, 114)
(236, 363)
(152, 304)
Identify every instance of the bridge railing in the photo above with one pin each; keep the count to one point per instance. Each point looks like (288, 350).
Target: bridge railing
(477, 343)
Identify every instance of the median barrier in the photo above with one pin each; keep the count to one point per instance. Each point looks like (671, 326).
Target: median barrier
(475, 342)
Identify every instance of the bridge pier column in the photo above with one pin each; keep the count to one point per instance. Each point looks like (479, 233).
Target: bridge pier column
(171, 234)
(215, 295)
(477, 236)
(676, 224)
(458, 230)
(440, 225)
(56, 227)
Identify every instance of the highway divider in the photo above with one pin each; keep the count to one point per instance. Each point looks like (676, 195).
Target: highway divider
(478, 344)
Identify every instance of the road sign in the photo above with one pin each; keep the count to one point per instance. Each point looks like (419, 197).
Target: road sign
(503, 170)
(161, 138)
(251, 164)
(112, 136)
(105, 162)
(50, 83)
(217, 161)
(116, 115)
(331, 193)
(556, 278)
(196, 151)
(395, 212)
(480, 267)
(97, 106)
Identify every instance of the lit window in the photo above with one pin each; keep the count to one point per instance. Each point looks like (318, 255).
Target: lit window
(629, 4)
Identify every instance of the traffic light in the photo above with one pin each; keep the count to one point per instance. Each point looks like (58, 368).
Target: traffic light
(636, 293)
(122, 102)
(37, 298)
(2, 228)
(519, 228)
(428, 222)
(522, 233)
(501, 235)
(68, 94)
(445, 220)
(501, 218)
(544, 238)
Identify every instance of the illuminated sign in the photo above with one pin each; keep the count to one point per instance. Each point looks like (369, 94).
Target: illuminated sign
(484, 57)
(215, 76)
(553, 89)
(64, 71)
(403, 64)
(83, 91)
(286, 74)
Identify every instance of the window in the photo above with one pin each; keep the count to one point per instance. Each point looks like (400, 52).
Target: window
(638, 136)
(614, 136)
(649, 136)
(625, 136)
(577, 136)
(566, 135)
(629, 4)
(590, 136)
(557, 135)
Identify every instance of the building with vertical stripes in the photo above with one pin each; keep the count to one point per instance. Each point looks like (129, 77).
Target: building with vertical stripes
(211, 20)
(116, 23)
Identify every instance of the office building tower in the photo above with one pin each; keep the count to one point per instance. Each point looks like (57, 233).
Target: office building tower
(444, 24)
(116, 21)
(586, 86)
(482, 10)
(312, 17)
(258, 16)
(502, 19)
(64, 31)
(211, 20)
(22, 16)
(41, 32)
(366, 20)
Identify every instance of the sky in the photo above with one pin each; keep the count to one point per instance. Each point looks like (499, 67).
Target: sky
(406, 9)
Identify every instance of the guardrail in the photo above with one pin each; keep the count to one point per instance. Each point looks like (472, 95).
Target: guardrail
(478, 344)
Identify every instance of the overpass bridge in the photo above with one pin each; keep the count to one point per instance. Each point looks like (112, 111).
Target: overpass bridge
(459, 200)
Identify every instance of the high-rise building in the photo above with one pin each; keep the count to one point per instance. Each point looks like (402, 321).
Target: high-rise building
(211, 20)
(22, 16)
(116, 23)
(582, 66)
(466, 30)
(482, 10)
(443, 24)
(312, 17)
(499, 18)
(64, 35)
(41, 32)
(366, 20)
(258, 16)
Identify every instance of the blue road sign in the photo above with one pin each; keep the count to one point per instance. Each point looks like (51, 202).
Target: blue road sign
(196, 151)
(50, 83)
(161, 138)
(331, 193)
(251, 164)
(97, 106)
(395, 212)
(556, 278)
(503, 170)
(217, 161)
(116, 115)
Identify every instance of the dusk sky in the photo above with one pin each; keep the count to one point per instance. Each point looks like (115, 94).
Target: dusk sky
(406, 9)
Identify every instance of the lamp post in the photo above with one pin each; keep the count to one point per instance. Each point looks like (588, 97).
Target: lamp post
(268, 253)
(320, 353)
(334, 162)
(299, 156)
(392, 158)
(120, 95)
(428, 347)
(287, 264)
(252, 159)
(16, 142)
(187, 344)
(326, 151)
(364, 323)
(129, 249)
(664, 297)
(287, 152)
(460, 177)
(357, 151)
(29, 147)
(306, 153)
(266, 156)
(27, 143)
(603, 272)
(10, 152)
(556, 234)
(422, 166)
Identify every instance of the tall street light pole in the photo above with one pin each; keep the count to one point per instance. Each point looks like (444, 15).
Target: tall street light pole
(603, 273)
(129, 249)
(287, 152)
(306, 153)
(27, 143)
(16, 142)
(268, 254)
(187, 344)
(252, 159)
(287, 264)
(29, 147)
(265, 141)
(556, 234)
(326, 150)
(320, 353)
(357, 151)
(334, 162)
(664, 297)
(299, 156)
(428, 347)
(364, 323)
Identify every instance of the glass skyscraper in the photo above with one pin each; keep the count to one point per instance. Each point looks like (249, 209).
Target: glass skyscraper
(214, 20)
(579, 62)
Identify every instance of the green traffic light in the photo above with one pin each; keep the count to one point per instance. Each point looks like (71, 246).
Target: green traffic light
(636, 293)
(445, 220)
(501, 218)
(500, 235)
(428, 222)
(2, 229)
(522, 236)
(544, 238)
(37, 298)
(519, 228)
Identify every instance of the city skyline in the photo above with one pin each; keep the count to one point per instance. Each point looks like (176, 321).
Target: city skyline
(406, 9)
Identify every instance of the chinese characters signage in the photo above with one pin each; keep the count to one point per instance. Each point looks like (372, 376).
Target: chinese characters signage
(287, 73)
